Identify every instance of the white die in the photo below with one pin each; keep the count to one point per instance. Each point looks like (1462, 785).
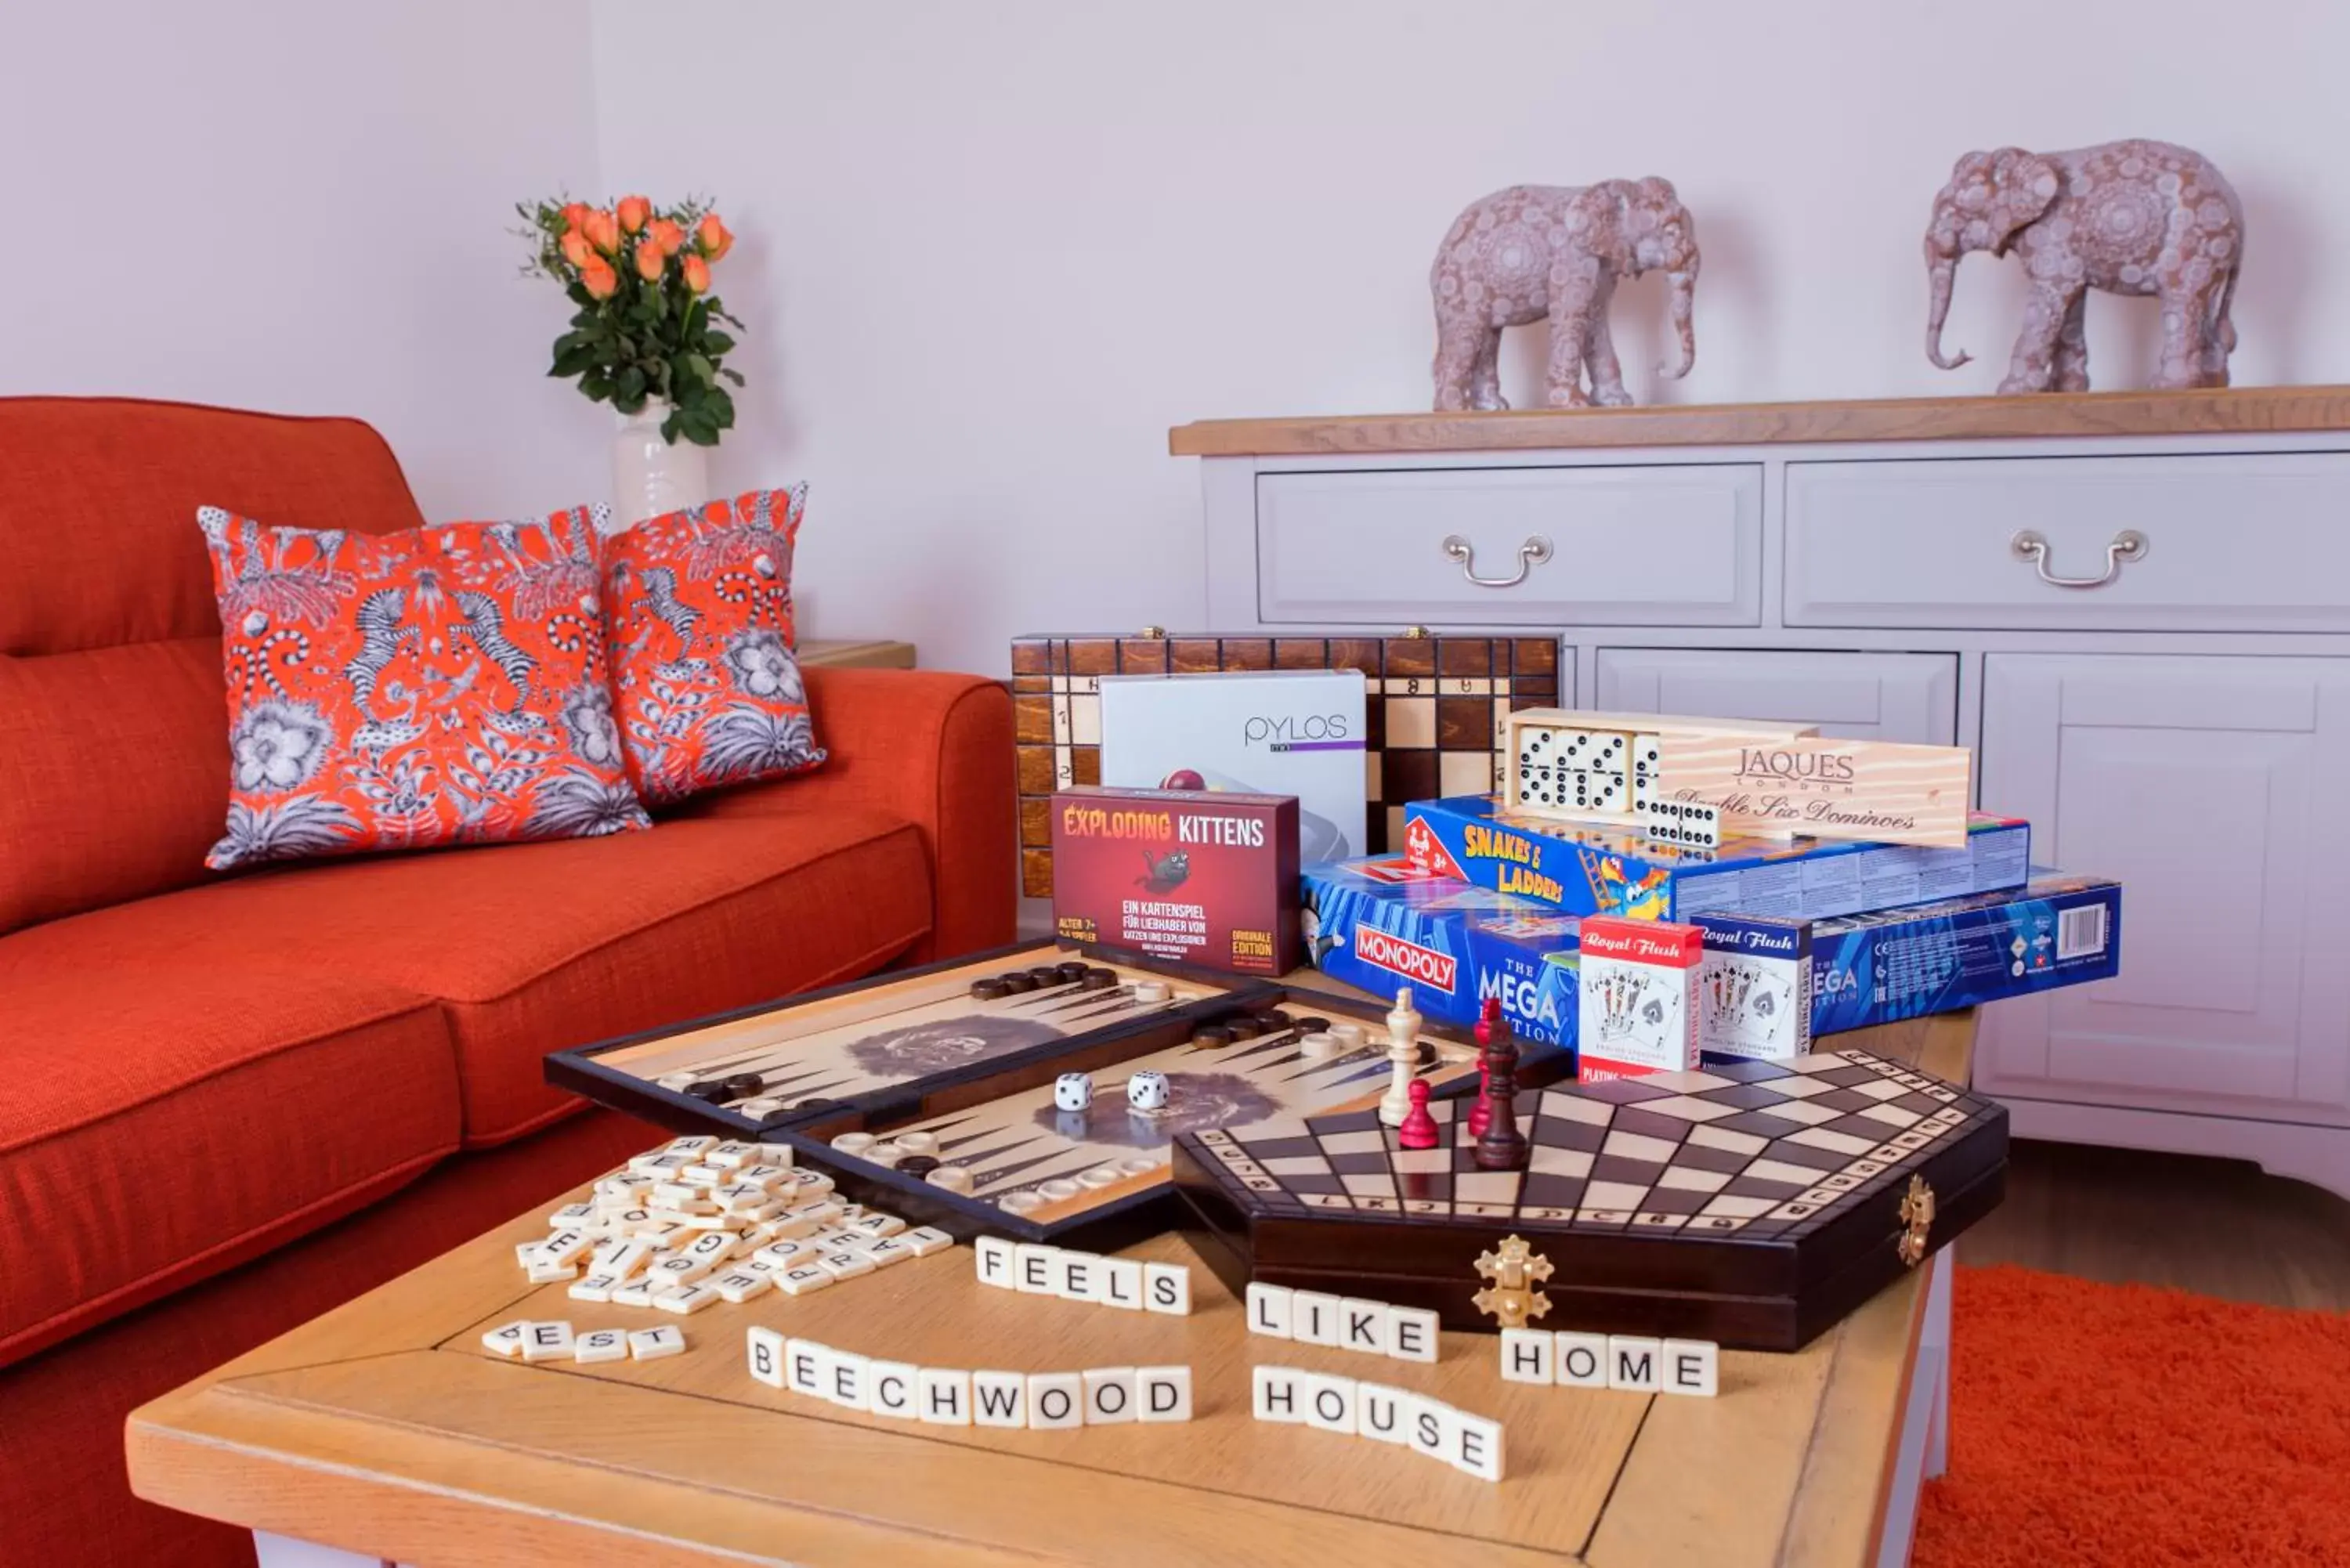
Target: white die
(1073, 1091)
(1147, 1091)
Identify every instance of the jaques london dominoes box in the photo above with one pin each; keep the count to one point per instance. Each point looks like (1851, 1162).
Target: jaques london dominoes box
(1206, 878)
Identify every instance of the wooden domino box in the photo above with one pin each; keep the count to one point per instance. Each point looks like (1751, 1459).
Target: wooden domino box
(1437, 706)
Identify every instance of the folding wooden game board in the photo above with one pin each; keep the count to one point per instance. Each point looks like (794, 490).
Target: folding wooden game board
(1437, 705)
(881, 1043)
(1099, 1178)
(1754, 1204)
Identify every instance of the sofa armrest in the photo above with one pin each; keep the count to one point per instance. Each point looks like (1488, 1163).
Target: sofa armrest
(935, 749)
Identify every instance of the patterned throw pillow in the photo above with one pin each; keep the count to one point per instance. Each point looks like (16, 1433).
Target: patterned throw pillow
(699, 604)
(444, 685)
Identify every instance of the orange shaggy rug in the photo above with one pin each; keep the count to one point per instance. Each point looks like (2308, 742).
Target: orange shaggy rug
(2095, 1425)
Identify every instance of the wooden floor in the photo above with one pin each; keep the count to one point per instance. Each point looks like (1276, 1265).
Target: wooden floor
(2217, 1227)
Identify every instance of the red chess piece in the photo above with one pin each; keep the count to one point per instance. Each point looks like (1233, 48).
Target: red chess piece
(1418, 1130)
(1482, 1111)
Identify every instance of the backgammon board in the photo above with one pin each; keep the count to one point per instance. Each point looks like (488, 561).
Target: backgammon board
(1752, 1204)
(1436, 705)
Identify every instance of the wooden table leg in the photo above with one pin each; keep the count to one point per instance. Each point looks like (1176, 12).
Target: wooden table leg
(1925, 1418)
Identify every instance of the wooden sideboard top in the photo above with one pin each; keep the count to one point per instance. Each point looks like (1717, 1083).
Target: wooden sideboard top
(2243, 410)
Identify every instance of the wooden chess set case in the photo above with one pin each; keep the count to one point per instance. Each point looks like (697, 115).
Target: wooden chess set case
(1099, 1178)
(1435, 705)
(881, 1043)
(1707, 1233)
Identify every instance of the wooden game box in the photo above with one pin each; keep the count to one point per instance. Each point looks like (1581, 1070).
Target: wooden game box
(1672, 1205)
(1099, 1178)
(878, 1043)
(1435, 706)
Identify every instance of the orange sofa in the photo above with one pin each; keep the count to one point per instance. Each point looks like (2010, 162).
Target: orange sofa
(227, 1103)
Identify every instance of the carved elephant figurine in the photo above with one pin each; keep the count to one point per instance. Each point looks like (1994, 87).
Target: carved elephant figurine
(1556, 250)
(2129, 217)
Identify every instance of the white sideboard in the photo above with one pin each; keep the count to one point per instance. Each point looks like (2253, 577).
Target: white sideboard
(2182, 725)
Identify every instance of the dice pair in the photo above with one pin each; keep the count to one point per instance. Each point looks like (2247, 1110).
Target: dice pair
(1144, 1091)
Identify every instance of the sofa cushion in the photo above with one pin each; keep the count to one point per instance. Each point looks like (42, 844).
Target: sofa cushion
(535, 947)
(163, 1121)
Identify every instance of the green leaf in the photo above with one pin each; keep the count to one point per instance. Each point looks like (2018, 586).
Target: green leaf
(631, 385)
(733, 376)
(697, 368)
(576, 361)
(671, 426)
(578, 293)
(597, 387)
(716, 343)
(628, 404)
(720, 405)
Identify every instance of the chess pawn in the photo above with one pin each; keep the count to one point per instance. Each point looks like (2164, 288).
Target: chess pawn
(1482, 1111)
(1403, 1059)
(1418, 1130)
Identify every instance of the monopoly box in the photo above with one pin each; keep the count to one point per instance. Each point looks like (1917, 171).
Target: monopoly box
(1202, 878)
(1381, 924)
(1600, 871)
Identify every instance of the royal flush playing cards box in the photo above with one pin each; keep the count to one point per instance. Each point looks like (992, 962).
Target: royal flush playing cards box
(1606, 871)
(1208, 880)
(1636, 997)
(1286, 732)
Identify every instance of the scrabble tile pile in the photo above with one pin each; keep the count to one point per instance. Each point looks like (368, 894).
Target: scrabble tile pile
(952, 1396)
(699, 1221)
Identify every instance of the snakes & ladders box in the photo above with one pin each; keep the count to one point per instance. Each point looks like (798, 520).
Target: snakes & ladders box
(1607, 871)
(1275, 732)
(1381, 924)
(1637, 997)
(1202, 878)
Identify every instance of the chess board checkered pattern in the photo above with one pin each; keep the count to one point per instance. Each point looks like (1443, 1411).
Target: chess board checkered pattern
(1436, 720)
(1755, 1151)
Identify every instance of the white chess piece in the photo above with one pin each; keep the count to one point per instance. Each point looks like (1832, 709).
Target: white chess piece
(1403, 1059)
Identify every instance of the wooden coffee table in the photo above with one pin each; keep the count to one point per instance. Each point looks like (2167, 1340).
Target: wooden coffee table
(384, 1431)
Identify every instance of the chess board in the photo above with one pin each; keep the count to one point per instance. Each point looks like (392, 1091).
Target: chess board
(1754, 1204)
(886, 1041)
(1437, 707)
(1099, 1178)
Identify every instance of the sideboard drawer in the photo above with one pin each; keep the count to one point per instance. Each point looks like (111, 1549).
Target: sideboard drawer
(2229, 541)
(1675, 545)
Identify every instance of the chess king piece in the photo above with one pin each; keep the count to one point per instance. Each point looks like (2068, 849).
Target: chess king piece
(1403, 1059)
(1418, 1130)
(1482, 1108)
(1073, 1091)
(1501, 1147)
(1147, 1091)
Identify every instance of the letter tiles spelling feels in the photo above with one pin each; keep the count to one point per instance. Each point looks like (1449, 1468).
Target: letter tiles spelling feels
(1035, 1270)
(952, 1397)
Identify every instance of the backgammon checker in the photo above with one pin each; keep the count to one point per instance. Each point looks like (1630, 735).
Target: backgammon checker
(1753, 1204)
(887, 1040)
(997, 1151)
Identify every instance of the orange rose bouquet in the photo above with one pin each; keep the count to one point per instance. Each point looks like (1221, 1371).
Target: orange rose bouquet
(645, 327)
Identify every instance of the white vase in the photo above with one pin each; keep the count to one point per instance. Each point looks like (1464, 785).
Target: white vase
(650, 475)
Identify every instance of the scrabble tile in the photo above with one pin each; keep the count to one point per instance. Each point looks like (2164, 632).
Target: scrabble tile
(1526, 1355)
(1329, 1402)
(732, 1156)
(999, 1399)
(1313, 1317)
(813, 1183)
(565, 1246)
(1692, 1367)
(1363, 1325)
(1167, 1288)
(1073, 1275)
(924, 1239)
(990, 1258)
(1634, 1362)
(673, 1269)
(1109, 1396)
(542, 1272)
(1056, 1400)
(763, 1353)
(804, 1367)
(1119, 1282)
(1380, 1413)
(1476, 1443)
(571, 1215)
(739, 1285)
(1580, 1360)
(943, 1395)
(802, 1278)
(712, 1247)
(653, 1344)
(596, 1288)
(891, 1390)
(845, 1380)
(1269, 1309)
(526, 1253)
(687, 1300)
(884, 1250)
(679, 1195)
(845, 1264)
(777, 1154)
(637, 1292)
(693, 1144)
(1427, 1427)
(873, 1222)
(601, 1344)
(785, 1254)
(546, 1341)
(1162, 1392)
(622, 1257)
(1411, 1334)
(703, 1176)
(506, 1341)
(1277, 1393)
(1033, 1273)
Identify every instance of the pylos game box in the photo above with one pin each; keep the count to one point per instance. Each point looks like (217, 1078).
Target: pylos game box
(1607, 871)
(1202, 878)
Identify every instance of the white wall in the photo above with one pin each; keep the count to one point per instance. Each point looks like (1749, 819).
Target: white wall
(301, 206)
(991, 251)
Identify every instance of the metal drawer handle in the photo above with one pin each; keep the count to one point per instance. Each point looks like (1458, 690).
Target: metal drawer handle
(2130, 545)
(1531, 553)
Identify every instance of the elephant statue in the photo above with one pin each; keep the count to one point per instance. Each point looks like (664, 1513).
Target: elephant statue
(1556, 250)
(2128, 217)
